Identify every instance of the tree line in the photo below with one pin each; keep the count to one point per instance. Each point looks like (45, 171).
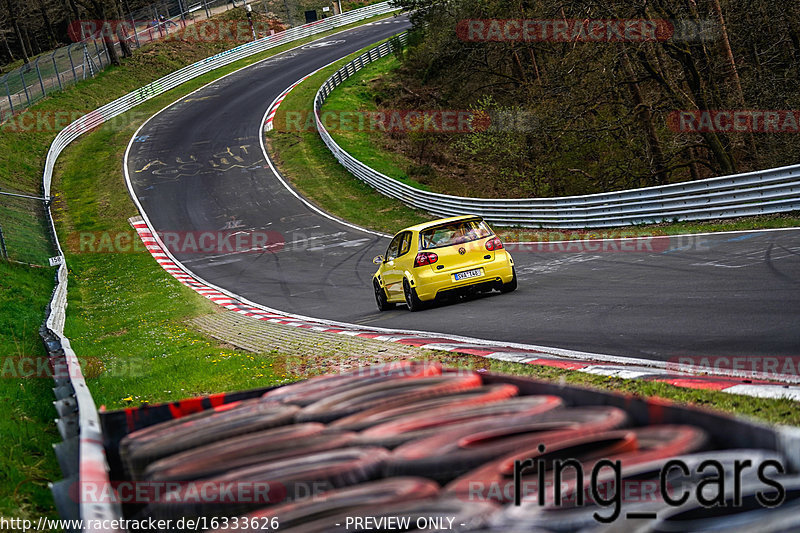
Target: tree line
(602, 113)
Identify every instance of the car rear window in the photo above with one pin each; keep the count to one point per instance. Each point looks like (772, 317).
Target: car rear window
(454, 233)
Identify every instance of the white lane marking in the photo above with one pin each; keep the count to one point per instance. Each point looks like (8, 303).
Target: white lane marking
(621, 372)
(293, 192)
(766, 391)
(344, 244)
(322, 44)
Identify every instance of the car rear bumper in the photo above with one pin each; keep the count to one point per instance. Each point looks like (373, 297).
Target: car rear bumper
(430, 284)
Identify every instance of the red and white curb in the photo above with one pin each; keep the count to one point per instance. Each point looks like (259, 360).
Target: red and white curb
(762, 388)
(273, 107)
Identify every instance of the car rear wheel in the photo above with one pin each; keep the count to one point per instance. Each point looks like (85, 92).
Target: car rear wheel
(511, 285)
(380, 298)
(412, 300)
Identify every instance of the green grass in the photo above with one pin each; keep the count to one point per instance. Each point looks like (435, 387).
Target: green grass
(126, 316)
(26, 460)
(359, 93)
(312, 169)
(25, 139)
(783, 411)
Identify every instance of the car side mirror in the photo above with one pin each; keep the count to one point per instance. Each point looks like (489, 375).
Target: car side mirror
(377, 260)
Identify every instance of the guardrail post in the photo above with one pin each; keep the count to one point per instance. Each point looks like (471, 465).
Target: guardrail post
(8, 93)
(72, 63)
(24, 86)
(55, 67)
(39, 74)
(3, 249)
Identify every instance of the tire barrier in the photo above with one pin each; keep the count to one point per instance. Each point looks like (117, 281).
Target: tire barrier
(247, 450)
(389, 394)
(282, 481)
(321, 387)
(530, 514)
(464, 401)
(747, 516)
(453, 452)
(339, 501)
(415, 427)
(139, 451)
(414, 447)
(630, 446)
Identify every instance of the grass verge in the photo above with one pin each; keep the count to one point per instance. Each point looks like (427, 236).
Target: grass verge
(126, 316)
(780, 411)
(312, 169)
(359, 93)
(27, 462)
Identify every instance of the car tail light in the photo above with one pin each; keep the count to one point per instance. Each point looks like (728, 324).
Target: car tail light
(494, 244)
(425, 258)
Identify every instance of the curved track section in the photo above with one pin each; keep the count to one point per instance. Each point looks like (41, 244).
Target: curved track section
(197, 166)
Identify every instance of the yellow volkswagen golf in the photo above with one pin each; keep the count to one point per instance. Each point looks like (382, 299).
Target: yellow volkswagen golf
(459, 254)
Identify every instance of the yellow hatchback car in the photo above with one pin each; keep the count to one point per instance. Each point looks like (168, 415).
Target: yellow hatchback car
(459, 254)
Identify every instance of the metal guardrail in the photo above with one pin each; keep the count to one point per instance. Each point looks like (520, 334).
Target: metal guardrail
(81, 454)
(774, 190)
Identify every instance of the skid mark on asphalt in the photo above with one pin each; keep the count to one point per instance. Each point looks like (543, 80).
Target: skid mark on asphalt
(554, 265)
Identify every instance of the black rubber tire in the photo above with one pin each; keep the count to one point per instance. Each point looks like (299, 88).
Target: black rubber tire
(372, 493)
(413, 302)
(287, 480)
(511, 286)
(565, 519)
(470, 399)
(136, 438)
(381, 299)
(417, 426)
(198, 432)
(315, 389)
(240, 452)
(451, 453)
(629, 446)
(391, 393)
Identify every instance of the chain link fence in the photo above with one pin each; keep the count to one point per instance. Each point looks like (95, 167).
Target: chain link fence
(53, 71)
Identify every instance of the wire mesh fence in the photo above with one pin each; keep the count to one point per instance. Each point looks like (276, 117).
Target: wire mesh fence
(53, 71)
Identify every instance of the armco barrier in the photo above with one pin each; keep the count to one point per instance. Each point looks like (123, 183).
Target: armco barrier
(774, 190)
(81, 454)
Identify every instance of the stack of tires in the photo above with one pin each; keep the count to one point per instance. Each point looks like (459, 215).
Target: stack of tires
(411, 446)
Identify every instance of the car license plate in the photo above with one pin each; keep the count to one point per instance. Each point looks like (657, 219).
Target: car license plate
(468, 274)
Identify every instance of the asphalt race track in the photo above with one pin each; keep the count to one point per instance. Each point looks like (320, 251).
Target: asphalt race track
(198, 166)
